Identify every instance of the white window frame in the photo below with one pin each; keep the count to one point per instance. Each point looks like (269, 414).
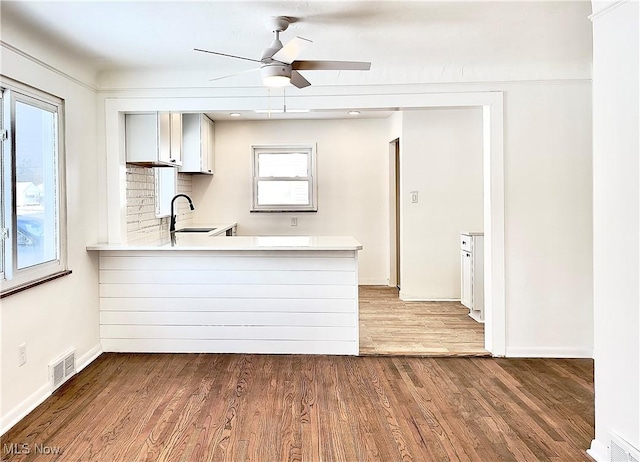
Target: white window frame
(166, 187)
(310, 149)
(13, 279)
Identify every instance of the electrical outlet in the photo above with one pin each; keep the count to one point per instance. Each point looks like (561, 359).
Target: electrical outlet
(294, 221)
(22, 354)
(414, 197)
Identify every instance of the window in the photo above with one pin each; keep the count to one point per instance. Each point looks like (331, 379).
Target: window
(284, 179)
(166, 180)
(33, 243)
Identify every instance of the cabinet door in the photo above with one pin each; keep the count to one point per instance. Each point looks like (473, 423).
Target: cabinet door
(164, 137)
(175, 151)
(208, 147)
(204, 143)
(466, 296)
(197, 144)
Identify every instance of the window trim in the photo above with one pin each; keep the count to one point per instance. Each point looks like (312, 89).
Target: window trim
(165, 181)
(309, 148)
(14, 279)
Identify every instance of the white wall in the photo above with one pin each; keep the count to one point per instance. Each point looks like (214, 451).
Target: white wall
(60, 314)
(352, 163)
(441, 159)
(616, 225)
(548, 220)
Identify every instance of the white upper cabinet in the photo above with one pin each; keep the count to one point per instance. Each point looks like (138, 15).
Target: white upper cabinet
(198, 139)
(154, 139)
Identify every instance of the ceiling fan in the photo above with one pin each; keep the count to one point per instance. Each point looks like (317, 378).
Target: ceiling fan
(278, 63)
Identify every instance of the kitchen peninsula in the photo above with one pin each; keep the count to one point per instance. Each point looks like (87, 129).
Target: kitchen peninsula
(230, 294)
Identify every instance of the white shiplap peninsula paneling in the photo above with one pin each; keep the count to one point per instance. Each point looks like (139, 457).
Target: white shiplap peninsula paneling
(256, 300)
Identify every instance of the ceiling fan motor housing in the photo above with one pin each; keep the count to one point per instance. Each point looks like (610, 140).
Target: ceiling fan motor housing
(274, 72)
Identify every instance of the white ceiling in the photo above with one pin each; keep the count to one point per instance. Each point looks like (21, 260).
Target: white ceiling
(391, 34)
(406, 42)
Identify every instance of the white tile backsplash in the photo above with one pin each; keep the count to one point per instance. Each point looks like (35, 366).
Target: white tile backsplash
(141, 206)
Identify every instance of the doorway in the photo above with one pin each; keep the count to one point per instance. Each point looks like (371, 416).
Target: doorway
(440, 192)
(394, 213)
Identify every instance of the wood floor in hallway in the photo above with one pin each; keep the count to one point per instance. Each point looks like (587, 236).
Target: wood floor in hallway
(278, 408)
(390, 326)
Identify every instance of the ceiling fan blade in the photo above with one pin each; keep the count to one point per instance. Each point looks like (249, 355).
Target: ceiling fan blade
(224, 54)
(233, 75)
(330, 66)
(298, 81)
(288, 53)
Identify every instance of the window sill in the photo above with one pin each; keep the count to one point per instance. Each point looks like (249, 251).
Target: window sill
(284, 211)
(37, 282)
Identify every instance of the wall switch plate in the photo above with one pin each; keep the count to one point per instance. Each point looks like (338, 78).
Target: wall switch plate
(294, 221)
(22, 354)
(414, 197)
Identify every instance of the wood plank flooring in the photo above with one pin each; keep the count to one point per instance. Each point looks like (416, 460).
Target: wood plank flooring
(222, 407)
(389, 326)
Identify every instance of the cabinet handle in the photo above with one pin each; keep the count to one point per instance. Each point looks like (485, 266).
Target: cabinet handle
(209, 170)
(464, 242)
(172, 160)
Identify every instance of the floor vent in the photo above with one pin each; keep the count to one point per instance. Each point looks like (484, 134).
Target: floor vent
(62, 369)
(621, 451)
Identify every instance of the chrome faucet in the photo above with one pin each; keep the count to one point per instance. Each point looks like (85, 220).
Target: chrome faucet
(172, 226)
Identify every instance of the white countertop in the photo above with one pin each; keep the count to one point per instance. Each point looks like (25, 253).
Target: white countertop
(218, 228)
(203, 241)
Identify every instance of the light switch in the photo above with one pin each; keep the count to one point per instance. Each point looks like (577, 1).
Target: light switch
(414, 197)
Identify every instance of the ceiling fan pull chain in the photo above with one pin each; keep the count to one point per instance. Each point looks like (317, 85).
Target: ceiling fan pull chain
(284, 100)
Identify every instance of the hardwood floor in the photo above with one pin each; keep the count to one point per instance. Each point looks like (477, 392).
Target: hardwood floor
(222, 407)
(389, 326)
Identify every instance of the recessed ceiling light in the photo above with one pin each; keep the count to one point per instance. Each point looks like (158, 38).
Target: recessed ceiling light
(353, 112)
(234, 114)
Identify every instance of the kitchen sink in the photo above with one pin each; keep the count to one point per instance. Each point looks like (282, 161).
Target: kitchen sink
(195, 230)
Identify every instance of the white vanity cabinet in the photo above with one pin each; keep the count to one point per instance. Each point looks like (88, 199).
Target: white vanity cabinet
(154, 139)
(472, 274)
(198, 138)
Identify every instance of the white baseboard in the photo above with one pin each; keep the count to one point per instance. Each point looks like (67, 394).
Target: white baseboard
(548, 352)
(19, 412)
(598, 451)
(411, 298)
(372, 282)
(89, 357)
(16, 414)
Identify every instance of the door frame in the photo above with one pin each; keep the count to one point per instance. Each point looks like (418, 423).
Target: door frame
(394, 213)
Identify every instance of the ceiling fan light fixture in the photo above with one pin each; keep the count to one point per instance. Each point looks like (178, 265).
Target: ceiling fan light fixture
(276, 75)
(276, 81)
